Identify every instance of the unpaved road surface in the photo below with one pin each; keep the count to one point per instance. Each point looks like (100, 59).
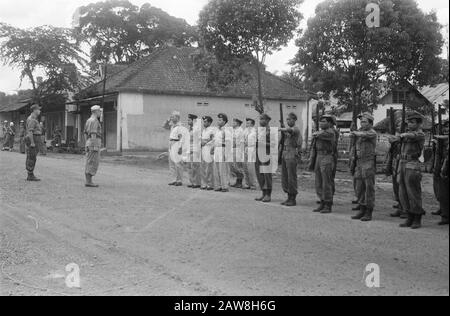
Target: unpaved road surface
(137, 236)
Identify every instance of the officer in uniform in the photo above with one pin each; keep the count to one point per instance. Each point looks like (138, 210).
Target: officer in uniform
(393, 167)
(93, 134)
(250, 155)
(22, 134)
(322, 163)
(410, 176)
(440, 181)
(193, 163)
(33, 139)
(237, 167)
(290, 158)
(263, 143)
(207, 167)
(366, 143)
(175, 148)
(223, 140)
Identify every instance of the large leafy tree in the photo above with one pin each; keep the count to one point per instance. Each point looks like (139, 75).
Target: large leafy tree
(339, 50)
(44, 50)
(120, 32)
(247, 30)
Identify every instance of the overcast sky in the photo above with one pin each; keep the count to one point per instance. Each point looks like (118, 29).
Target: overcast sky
(30, 13)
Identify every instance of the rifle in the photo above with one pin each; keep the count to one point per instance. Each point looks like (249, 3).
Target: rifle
(313, 151)
(353, 153)
(439, 149)
(283, 137)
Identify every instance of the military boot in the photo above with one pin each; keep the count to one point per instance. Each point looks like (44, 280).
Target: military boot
(32, 178)
(292, 200)
(89, 183)
(408, 222)
(398, 213)
(287, 201)
(262, 197)
(327, 208)
(437, 213)
(268, 197)
(417, 222)
(320, 208)
(368, 215)
(238, 184)
(360, 214)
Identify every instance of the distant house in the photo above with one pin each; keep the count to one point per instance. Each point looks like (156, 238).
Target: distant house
(140, 97)
(428, 96)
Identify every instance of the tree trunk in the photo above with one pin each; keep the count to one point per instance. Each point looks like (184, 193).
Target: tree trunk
(260, 92)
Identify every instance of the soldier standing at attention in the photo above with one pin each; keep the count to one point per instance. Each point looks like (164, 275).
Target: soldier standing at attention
(265, 179)
(175, 138)
(250, 155)
(410, 176)
(9, 133)
(33, 139)
(93, 134)
(290, 158)
(323, 164)
(194, 153)
(237, 167)
(222, 140)
(366, 143)
(207, 167)
(22, 133)
(440, 164)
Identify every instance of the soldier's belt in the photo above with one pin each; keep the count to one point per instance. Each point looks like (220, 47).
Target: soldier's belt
(409, 157)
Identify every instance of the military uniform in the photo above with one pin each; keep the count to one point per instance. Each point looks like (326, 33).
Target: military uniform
(22, 134)
(33, 132)
(223, 139)
(289, 164)
(336, 153)
(237, 167)
(393, 169)
(175, 165)
(93, 134)
(194, 161)
(207, 166)
(250, 157)
(324, 144)
(410, 175)
(365, 172)
(444, 198)
(440, 183)
(265, 178)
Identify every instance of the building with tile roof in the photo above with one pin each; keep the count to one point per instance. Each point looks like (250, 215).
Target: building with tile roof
(139, 98)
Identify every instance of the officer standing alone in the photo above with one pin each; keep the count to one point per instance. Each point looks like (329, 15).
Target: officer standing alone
(93, 134)
(33, 139)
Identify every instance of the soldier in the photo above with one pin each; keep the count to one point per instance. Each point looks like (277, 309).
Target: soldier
(445, 196)
(222, 160)
(32, 141)
(237, 167)
(322, 164)
(207, 167)
(43, 149)
(22, 133)
(410, 176)
(93, 134)
(440, 180)
(263, 141)
(366, 143)
(394, 165)
(175, 139)
(3, 131)
(9, 140)
(193, 164)
(336, 151)
(352, 163)
(250, 155)
(290, 158)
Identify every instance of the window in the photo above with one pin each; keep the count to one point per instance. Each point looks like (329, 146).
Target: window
(202, 103)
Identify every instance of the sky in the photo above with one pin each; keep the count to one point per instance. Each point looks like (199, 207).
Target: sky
(31, 13)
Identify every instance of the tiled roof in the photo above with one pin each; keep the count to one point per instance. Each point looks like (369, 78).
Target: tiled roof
(172, 71)
(436, 94)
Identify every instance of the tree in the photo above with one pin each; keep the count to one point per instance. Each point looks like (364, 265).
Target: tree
(351, 59)
(48, 49)
(248, 30)
(120, 32)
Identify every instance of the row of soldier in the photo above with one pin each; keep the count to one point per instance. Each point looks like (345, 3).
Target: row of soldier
(9, 134)
(215, 175)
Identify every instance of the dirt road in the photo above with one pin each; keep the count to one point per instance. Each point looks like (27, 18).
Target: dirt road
(137, 236)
